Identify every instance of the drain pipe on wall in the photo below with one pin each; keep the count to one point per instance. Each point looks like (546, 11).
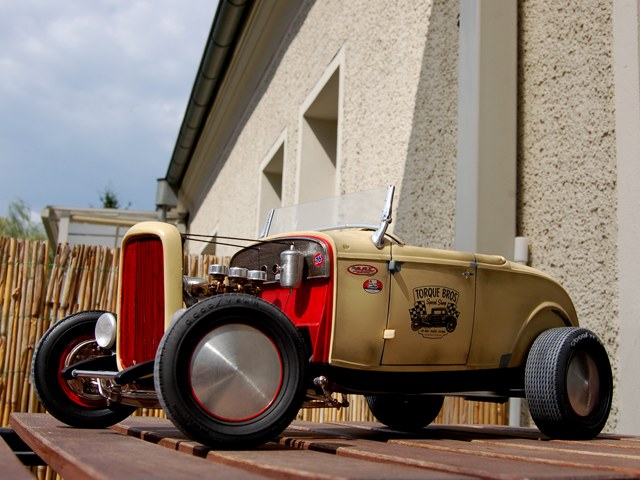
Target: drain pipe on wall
(521, 256)
(486, 164)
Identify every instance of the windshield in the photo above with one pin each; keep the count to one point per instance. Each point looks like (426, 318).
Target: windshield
(362, 209)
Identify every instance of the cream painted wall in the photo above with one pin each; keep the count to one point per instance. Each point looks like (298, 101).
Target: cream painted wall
(398, 124)
(567, 203)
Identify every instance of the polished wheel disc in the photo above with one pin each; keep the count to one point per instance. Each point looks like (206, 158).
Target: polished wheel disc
(83, 390)
(236, 372)
(583, 384)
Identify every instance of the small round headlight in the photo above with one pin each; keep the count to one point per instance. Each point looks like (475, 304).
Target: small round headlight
(106, 330)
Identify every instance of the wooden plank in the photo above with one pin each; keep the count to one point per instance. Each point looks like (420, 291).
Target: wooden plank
(431, 449)
(374, 444)
(606, 452)
(11, 466)
(105, 454)
(153, 448)
(274, 459)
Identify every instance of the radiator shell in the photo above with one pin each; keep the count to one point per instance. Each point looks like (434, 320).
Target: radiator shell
(149, 289)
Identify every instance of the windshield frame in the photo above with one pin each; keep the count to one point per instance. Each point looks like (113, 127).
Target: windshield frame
(359, 210)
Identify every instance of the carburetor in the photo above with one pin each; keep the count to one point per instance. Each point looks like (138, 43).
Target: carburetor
(223, 279)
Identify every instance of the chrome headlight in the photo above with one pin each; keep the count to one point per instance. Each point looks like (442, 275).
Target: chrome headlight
(106, 330)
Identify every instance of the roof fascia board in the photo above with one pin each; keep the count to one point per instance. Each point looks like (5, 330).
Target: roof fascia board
(227, 23)
(266, 34)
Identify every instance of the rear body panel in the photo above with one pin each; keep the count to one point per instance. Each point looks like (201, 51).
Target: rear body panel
(434, 310)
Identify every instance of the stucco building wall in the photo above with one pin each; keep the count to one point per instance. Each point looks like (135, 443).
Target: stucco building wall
(398, 64)
(567, 157)
(397, 125)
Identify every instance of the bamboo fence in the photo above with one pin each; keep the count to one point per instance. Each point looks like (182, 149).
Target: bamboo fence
(34, 294)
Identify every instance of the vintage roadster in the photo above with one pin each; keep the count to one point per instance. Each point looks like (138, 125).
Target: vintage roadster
(320, 307)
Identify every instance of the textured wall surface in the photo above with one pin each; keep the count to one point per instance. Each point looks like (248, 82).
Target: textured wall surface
(398, 118)
(567, 168)
(398, 124)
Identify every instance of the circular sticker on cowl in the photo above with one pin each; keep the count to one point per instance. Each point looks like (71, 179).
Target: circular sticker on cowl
(372, 285)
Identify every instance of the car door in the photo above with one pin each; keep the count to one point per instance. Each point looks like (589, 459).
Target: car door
(431, 307)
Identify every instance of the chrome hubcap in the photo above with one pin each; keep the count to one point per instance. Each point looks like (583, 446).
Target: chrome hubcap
(235, 372)
(84, 387)
(583, 384)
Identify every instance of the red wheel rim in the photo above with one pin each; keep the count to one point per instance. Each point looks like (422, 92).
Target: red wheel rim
(74, 389)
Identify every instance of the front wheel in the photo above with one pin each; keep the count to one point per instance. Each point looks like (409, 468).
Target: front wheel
(76, 402)
(231, 372)
(568, 383)
(405, 412)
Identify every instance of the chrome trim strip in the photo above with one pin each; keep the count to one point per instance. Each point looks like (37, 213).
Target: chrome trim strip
(93, 374)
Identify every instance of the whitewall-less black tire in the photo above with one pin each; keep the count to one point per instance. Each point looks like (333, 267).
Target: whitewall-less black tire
(75, 402)
(231, 371)
(405, 412)
(568, 383)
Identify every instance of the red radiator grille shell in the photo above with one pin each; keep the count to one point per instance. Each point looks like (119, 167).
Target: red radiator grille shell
(142, 302)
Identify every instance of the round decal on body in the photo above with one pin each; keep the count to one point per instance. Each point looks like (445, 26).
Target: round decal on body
(372, 286)
(435, 311)
(318, 259)
(360, 269)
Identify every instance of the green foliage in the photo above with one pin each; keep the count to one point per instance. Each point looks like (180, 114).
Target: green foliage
(109, 198)
(18, 223)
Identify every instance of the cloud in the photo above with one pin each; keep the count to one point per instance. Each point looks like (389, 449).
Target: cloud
(93, 93)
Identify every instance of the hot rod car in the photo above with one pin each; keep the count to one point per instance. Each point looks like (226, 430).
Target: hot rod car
(317, 308)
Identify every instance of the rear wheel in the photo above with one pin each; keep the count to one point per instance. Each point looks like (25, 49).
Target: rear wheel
(568, 383)
(405, 412)
(75, 402)
(230, 373)
(451, 325)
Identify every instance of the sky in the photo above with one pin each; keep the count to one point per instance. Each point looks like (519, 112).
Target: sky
(92, 95)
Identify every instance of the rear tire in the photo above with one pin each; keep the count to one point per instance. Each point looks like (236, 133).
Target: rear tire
(405, 412)
(231, 372)
(452, 323)
(568, 383)
(75, 402)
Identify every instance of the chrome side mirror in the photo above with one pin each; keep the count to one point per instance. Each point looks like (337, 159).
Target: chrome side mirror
(378, 236)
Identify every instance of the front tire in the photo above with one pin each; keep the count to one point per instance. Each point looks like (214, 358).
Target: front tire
(75, 402)
(405, 412)
(568, 383)
(231, 372)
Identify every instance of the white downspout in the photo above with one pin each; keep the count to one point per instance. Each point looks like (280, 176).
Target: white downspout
(626, 63)
(520, 255)
(487, 123)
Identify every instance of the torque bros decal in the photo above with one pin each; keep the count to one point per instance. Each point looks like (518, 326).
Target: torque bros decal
(435, 311)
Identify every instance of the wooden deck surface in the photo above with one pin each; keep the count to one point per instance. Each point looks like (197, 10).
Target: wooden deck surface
(10, 465)
(143, 447)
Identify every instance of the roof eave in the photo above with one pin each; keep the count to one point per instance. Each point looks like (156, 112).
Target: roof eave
(220, 45)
